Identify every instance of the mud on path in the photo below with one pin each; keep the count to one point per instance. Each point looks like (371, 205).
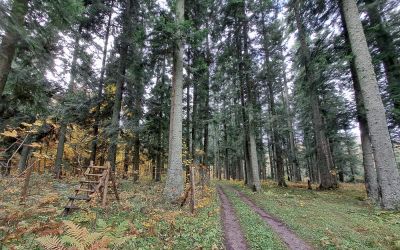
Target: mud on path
(233, 235)
(288, 236)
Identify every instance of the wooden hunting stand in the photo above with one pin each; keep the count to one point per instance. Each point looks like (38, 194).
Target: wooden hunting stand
(97, 180)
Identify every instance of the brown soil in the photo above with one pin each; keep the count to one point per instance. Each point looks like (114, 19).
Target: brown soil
(287, 235)
(233, 235)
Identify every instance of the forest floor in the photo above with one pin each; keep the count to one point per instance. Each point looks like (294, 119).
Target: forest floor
(340, 219)
(337, 219)
(142, 220)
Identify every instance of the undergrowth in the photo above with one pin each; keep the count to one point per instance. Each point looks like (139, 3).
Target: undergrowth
(141, 220)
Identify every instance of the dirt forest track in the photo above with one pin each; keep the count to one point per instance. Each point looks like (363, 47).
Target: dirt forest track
(233, 234)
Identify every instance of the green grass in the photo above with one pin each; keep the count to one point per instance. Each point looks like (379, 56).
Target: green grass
(340, 219)
(257, 233)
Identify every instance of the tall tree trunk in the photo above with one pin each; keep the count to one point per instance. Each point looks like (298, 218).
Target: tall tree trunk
(159, 149)
(250, 104)
(388, 54)
(136, 122)
(206, 110)
(324, 157)
(246, 148)
(14, 25)
(280, 171)
(187, 136)
(195, 119)
(291, 142)
(60, 150)
(127, 152)
(64, 123)
(127, 28)
(226, 151)
(174, 183)
(387, 172)
(136, 158)
(370, 178)
(101, 86)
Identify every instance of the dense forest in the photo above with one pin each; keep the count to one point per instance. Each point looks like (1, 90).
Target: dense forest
(218, 104)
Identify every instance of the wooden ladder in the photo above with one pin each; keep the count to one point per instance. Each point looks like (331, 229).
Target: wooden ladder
(97, 180)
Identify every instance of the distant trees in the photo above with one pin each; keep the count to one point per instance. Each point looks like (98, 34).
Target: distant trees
(256, 92)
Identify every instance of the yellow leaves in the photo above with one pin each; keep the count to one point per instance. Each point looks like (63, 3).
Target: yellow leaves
(111, 88)
(40, 156)
(34, 145)
(38, 123)
(28, 125)
(12, 134)
(204, 202)
(49, 199)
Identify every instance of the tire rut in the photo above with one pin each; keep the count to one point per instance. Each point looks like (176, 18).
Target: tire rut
(291, 240)
(233, 235)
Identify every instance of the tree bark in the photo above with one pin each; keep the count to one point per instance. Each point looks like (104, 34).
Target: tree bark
(136, 158)
(387, 172)
(292, 146)
(64, 123)
(101, 86)
(370, 178)
(250, 104)
(24, 157)
(280, 171)
(123, 63)
(60, 150)
(14, 26)
(174, 184)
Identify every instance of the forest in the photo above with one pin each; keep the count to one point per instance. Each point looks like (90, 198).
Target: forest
(199, 124)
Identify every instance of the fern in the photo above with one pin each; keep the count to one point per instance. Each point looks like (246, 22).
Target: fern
(122, 228)
(81, 239)
(117, 243)
(51, 243)
(71, 241)
(92, 238)
(101, 226)
(76, 231)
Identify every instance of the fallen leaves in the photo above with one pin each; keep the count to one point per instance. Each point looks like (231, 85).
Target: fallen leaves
(12, 133)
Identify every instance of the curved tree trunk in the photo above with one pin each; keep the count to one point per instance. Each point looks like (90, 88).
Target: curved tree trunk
(386, 167)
